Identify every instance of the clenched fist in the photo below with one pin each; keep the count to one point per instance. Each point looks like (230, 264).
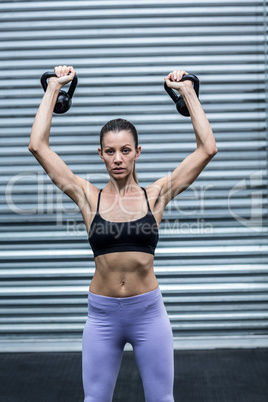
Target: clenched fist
(64, 76)
(173, 80)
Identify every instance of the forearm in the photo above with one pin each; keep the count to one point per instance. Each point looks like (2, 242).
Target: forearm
(42, 122)
(203, 131)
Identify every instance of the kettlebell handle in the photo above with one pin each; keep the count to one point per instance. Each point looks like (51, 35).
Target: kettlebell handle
(64, 100)
(178, 100)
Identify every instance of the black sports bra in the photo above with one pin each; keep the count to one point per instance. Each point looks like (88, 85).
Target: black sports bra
(110, 237)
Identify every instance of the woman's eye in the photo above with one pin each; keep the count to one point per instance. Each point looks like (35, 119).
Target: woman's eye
(109, 151)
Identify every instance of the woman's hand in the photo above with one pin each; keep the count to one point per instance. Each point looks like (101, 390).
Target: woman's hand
(173, 81)
(64, 76)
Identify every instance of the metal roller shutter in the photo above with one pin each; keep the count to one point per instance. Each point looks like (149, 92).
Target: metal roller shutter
(211, 259)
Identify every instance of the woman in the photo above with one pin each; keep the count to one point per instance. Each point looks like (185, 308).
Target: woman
(122, 220)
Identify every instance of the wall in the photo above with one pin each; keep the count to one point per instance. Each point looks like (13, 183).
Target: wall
(211, 259)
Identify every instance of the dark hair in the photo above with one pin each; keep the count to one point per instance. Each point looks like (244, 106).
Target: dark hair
(120, 125)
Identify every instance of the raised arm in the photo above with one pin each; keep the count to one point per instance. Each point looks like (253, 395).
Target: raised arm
(191, 167)
(71, 184)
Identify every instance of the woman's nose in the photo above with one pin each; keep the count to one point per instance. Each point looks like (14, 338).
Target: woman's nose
(117, 157)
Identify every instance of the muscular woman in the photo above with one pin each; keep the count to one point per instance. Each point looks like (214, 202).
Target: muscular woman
(122, 220)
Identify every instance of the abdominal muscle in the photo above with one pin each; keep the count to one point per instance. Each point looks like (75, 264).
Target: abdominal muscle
(123, 274)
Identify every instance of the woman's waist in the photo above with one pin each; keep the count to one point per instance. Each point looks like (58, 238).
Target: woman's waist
(123, 283)
(128, 295)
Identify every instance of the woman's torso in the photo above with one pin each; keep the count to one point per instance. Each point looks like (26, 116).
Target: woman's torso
(123, 273)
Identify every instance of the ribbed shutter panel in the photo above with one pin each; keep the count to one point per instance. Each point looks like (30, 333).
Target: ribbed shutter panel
(212, 257)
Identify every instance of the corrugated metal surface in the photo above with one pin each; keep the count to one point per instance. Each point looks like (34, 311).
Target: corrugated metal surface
(211, 260)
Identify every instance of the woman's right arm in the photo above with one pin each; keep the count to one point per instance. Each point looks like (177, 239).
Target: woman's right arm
(71, 184)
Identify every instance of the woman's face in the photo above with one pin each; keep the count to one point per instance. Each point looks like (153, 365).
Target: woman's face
(119, 153)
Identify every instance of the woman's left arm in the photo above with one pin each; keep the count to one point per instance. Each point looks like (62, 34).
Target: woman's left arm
(191, 167)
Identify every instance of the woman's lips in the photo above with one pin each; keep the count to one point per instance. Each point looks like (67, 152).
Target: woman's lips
(118, 170)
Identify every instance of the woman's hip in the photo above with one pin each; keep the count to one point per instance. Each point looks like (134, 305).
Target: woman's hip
(126, 309)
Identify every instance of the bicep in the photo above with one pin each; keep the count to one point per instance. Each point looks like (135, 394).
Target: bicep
(61, 175)
(184, 175)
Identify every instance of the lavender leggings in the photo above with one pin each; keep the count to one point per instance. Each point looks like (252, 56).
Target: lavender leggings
(143, 322)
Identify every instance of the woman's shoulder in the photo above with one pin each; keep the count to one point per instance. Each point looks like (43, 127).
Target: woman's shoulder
(154, 189)
(91, 193)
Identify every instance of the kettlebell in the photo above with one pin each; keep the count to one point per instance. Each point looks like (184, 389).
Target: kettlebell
(178, 100)
(64, 100)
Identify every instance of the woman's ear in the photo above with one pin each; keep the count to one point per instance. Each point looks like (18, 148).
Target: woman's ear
(138, 151)
(100, 153)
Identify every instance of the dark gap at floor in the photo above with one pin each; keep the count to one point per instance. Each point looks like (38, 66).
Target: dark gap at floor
(219, 375)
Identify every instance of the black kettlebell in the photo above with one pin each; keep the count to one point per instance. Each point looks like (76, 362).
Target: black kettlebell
(64, 101)
(180, 104)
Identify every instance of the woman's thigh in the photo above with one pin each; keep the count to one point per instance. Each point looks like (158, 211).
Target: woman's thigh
(154, 353)
(102, 351)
